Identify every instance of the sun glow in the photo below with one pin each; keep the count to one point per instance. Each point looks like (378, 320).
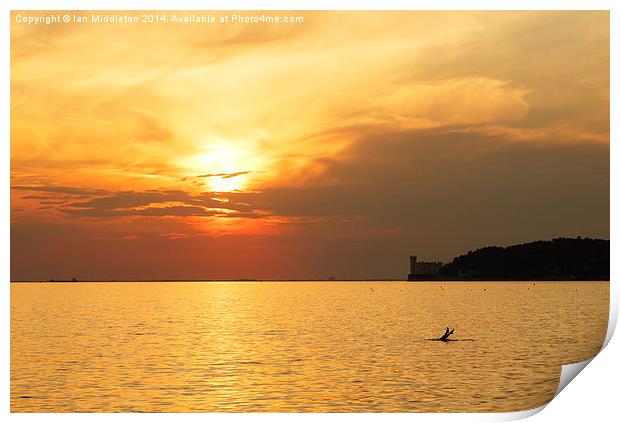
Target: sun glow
(224, 167)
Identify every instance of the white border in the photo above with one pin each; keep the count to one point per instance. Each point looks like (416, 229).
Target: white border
(310, 5)
(591, 397)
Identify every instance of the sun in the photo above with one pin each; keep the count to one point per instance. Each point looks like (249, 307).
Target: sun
(224, 167)
(227, 184)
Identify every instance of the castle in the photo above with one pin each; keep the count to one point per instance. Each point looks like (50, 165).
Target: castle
(424, 270)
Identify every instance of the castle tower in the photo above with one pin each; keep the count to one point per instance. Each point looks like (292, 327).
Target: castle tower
(413, 260)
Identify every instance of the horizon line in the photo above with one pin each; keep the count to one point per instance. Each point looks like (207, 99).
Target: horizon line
(309, 280)
(211, 280)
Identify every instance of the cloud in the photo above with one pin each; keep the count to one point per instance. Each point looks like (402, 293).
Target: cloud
(162, 211)
(127, 117)
(164, 202)
(224, 175)
(176, 211)
(455, 185)
(127, 199)
(59, 189)
(424, 104)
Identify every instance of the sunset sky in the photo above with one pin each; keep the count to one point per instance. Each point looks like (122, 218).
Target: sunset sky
(333, 147)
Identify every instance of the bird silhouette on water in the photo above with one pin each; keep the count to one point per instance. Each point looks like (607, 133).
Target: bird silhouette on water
(446, 335)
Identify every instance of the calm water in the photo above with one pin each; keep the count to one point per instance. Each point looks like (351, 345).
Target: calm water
(298, 346)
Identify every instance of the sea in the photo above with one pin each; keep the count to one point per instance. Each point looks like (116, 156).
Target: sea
(298, 346)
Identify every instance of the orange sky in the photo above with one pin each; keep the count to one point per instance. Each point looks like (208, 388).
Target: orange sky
(337, 146)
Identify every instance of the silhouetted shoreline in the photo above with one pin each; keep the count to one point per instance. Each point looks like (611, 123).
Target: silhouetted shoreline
(558, 260)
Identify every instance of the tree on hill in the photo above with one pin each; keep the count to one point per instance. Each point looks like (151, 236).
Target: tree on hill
(560, 258)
